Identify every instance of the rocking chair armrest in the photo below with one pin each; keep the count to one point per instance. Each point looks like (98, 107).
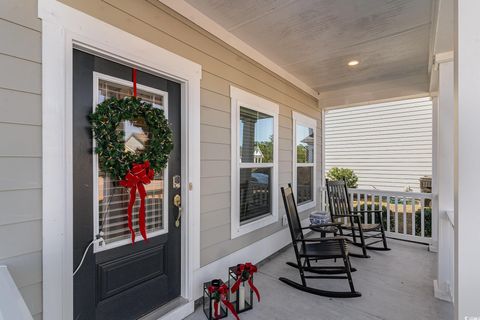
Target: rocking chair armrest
(325, 239)
(367, 211)
(347, 215)
(378, 213)
(330, 224)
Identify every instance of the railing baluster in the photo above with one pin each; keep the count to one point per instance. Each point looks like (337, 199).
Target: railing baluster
(422, 216)
(396, 214)
(372, 207)
(352, 198)
(358, 201)
(414, 202)
(365, 201)
(404, 215)
(388, 213)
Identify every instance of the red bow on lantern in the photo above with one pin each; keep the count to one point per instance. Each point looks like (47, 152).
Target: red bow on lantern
(245, 273)
(219, 293)
(140, 175)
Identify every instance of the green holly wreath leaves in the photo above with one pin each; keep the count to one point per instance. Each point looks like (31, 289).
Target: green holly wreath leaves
(110, 142)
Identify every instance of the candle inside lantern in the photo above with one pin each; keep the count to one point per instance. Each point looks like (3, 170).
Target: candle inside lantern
(213, 308)
(241, 296)
(216, 284)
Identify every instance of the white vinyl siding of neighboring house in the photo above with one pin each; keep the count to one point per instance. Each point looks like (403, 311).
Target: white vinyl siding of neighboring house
(389, 146)
(21, 148)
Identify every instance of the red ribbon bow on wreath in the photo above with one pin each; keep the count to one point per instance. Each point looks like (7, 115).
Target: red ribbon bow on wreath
(245, 273)
(136, 178)
(219, 294)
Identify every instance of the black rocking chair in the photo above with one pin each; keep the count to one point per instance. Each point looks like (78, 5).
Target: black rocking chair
(340, 208)
(309, 250)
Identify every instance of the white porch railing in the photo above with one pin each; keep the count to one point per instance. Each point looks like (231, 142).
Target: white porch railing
(406, 215)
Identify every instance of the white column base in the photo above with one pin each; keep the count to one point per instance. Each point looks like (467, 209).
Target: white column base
(433, 247)
(442, 292)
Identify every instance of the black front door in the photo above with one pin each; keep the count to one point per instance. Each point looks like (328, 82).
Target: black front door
(118, 280)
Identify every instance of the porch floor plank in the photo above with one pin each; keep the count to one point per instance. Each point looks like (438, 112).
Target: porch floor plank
(396, 284)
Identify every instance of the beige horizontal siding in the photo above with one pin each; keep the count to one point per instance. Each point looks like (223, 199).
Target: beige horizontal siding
(20, 150)
(28, 107)
(27, 42)
(389, 147)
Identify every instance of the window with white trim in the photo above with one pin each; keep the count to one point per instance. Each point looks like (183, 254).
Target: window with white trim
(304, 160)
(254, 162)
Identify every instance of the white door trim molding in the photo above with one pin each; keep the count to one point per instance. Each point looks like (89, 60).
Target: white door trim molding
(64, 28)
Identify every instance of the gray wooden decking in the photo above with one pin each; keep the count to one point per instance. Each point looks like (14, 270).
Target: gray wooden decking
(395, 285)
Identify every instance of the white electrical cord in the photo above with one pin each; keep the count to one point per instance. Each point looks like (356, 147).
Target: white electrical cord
(99, 238)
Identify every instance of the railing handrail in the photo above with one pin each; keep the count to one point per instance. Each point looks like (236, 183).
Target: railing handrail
(401, 194)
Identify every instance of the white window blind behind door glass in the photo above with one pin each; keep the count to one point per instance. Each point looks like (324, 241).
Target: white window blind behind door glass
(112, 198)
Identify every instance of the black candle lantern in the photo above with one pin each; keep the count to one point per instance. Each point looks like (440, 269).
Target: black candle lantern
(241, 292)
(211, 298)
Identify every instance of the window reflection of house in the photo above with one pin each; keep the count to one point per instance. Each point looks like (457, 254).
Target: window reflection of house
(308, 146)
(136, 142)
(257, 155)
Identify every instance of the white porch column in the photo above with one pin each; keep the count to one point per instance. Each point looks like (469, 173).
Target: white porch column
(467, 159)
(444, 175)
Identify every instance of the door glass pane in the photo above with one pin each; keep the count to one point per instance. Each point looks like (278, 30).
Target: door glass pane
(305, 144)
(255, 195)
(256, 137)
(304, 184)
(113, 198)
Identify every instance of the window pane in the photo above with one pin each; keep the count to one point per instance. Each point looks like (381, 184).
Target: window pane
(255, 195)
(256, 137)
(304, 184)
(305, 144)
(112, 198)
(113, 203)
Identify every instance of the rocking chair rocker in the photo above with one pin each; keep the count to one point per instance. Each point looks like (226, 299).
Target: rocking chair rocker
(308, 250)
(340, 208)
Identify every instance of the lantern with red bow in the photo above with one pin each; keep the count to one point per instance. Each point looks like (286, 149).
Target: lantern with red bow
(242, 286)
(215, 300)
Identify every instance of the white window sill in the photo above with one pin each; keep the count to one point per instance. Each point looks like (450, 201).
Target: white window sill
(241, 230)
(306, 206)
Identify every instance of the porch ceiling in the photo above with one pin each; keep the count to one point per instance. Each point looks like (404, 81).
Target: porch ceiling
(314, 40)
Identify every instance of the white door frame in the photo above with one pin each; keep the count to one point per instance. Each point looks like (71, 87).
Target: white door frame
(63, 29)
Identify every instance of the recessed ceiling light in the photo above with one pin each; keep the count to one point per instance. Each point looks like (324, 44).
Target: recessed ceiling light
(353, 63)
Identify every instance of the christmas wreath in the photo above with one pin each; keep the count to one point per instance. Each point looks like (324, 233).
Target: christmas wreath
(134, 169)
(113, 159)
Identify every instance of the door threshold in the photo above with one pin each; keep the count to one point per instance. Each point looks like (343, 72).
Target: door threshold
(178, 308)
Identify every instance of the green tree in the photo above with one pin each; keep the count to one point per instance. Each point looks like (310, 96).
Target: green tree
(267, 149)
(345, 174)
(301, 154)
